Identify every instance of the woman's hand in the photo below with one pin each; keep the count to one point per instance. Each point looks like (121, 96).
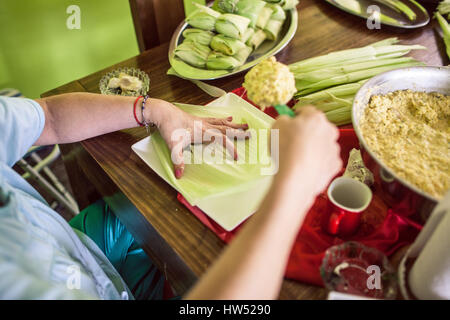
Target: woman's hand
(309, 152)
(178, 128)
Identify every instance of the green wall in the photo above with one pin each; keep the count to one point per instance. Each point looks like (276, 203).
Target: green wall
(38, 52)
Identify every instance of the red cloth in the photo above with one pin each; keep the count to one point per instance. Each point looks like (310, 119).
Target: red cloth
(381, 228)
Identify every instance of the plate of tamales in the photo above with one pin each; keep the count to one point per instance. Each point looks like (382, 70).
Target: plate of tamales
(231, 36)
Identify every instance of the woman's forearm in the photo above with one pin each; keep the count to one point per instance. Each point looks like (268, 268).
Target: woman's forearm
(78, 116)
(252, 266)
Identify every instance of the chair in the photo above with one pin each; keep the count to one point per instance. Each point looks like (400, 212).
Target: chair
(155, 21)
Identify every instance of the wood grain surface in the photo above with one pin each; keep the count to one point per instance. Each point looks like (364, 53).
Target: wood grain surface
(322, 29)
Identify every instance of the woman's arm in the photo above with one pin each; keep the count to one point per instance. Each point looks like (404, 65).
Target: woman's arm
(75, 117)
(252, 266)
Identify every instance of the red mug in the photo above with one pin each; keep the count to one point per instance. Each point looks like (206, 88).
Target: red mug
(347, 200)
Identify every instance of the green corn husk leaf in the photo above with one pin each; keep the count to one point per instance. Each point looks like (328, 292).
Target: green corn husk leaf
(243, 54)
(272, 29)
(226, 45)
(220, 61)
(354, 76)
(232, 25)
(338, 91)
(257, 39)
(445, 30)
(199, 36)
(193, 53)
(203, 18)
(181, 68)
(264, 17)
(340, 116)
(319, 75)
(250, 9)
(351, 56)
(201, 180)
(247, 35)
(328, 105)
(278, 12)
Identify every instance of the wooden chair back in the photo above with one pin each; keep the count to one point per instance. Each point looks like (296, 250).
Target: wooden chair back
(155, 21)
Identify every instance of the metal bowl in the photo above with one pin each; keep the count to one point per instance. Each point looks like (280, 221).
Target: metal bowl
(399, 194)
(266, 50)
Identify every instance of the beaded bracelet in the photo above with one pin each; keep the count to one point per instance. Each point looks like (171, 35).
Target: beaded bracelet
(146, 124)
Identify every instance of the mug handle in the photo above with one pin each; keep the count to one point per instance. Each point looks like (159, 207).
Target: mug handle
(334, 222)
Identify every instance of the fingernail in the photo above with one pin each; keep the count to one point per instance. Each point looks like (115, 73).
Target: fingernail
(235, 156)
(246, 126)
(230, 118)
(178, 173)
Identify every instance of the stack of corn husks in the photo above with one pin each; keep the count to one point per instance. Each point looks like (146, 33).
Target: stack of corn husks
(224, 36)
(330, 82)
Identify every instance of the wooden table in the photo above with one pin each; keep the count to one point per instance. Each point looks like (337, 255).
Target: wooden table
(179, 243)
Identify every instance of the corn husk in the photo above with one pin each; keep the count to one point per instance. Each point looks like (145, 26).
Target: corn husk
(198, 36)
(247, 35)
(272, 29)
(331, 81)
(243, 54)
(264, 17)
(203, 18)
(232, 25)
(257, 39)
(278, 12)
(201, 180)
(250, 9)
(192, 53)
(220, 61)
(226, 45)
